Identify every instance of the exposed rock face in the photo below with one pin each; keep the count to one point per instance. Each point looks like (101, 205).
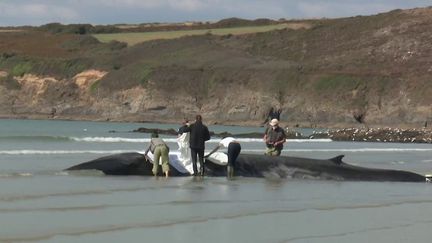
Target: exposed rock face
(80, 98)
(86, 79)
(47, 96)
(373, 69)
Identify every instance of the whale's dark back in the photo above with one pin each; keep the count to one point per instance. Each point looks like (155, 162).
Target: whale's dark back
(254, 165)
(123, 164)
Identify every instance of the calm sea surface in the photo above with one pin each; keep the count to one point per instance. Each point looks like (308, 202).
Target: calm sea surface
(39, 202)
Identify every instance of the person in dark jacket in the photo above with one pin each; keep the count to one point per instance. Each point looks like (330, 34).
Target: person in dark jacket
(183, 128)
(273, 114)
(199, 133)
(274, 137)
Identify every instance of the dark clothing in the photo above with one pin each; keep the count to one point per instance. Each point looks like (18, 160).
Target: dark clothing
(275, 135)
(233, 152)
(200, 153)
(274, 114)
(182, 129)
(199, 133)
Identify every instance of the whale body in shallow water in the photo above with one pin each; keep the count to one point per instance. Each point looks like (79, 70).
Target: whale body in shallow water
(255, 165)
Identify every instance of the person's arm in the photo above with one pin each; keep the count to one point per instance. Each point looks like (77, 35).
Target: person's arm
(182, 130)
(146, 156)
(265, 138)
(206, 134)
(148, 149)
(213, 151)
(282, 140)
(187, 128)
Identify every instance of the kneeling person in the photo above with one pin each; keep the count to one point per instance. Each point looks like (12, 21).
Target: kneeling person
(274, 137)
(234, 149)
(160, 151)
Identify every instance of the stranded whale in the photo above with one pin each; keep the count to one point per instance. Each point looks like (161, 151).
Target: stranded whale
(255, 165)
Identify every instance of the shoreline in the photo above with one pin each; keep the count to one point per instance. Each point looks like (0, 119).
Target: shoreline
(357, 133)
(251, 123)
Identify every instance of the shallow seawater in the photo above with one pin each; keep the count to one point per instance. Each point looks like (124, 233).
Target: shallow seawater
(39, 202)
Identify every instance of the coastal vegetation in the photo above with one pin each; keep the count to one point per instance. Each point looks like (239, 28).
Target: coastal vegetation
(135, 38)
(326, 72)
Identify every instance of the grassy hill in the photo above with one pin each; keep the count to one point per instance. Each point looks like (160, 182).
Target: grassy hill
(133, 38)
(319, 72)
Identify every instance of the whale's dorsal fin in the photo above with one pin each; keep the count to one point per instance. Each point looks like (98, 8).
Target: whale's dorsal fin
(338, 159)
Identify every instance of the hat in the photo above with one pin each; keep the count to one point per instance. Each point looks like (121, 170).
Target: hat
(274, 122)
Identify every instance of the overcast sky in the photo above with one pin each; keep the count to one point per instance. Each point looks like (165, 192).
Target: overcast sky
(38, 12)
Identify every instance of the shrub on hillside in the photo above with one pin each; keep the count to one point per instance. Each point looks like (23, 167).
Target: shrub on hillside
(117, 45)
(21, 68)
(57, 28)
(83, 41)
(9, 82)
(105, 29)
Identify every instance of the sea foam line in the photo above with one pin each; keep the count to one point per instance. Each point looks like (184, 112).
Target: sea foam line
(174, 140)
(352, 150)
(35, 152)
(47, 152)
(16, 175)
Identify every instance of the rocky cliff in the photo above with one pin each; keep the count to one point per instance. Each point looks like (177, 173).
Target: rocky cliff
(327, 74)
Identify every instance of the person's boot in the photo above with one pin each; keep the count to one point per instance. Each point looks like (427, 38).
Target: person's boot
(230, 172)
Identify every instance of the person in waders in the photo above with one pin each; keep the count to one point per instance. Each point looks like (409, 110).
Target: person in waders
(234, 149)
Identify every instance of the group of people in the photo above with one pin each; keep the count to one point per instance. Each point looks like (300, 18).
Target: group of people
(194, 135)
(191, 141)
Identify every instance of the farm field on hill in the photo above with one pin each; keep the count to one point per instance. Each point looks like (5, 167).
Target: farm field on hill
(134, 38)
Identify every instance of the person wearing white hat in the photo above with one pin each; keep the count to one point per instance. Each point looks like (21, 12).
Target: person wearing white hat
(274, 138)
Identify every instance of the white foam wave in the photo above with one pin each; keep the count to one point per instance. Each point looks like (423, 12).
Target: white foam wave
(112, 140)
(351, 150)
(260, 140)
(320, 140)
(15, 175)
(36, 152)
(174, 140)
(62, 173)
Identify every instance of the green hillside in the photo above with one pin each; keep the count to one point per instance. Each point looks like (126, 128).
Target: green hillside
(132, 38)
(319, 72)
